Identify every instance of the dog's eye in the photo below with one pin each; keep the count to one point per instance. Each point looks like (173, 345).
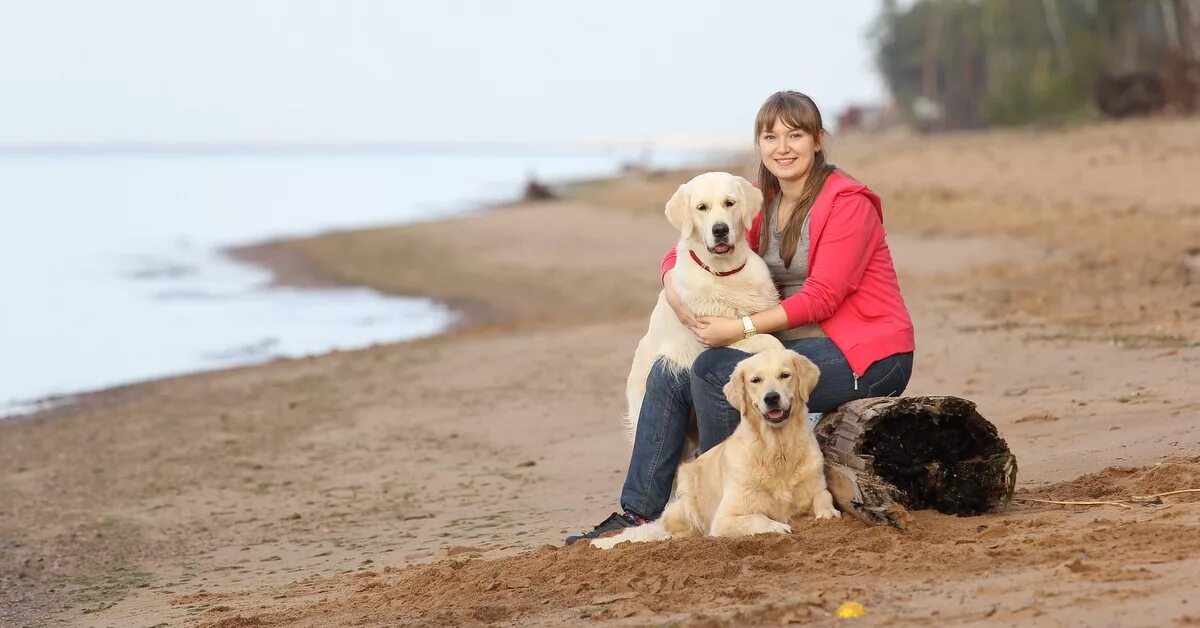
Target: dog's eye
(730, 202)
(755, 380)
(784, 375)
(702, 207)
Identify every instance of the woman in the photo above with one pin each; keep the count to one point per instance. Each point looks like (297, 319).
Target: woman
(821, 234)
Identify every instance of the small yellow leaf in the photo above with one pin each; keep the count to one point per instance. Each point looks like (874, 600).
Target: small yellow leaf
(850, 610)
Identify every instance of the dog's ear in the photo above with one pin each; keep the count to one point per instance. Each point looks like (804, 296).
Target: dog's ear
(752, 200)
(806, 375)
(735, 390)
(677, 212)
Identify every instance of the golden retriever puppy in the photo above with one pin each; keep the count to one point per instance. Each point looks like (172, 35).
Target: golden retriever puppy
(768, 471)
(716, 275)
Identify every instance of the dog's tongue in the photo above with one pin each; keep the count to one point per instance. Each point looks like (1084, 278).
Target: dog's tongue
(775, 414)
(722, 248)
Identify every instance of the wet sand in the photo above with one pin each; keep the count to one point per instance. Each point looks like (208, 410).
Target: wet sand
(431, 482)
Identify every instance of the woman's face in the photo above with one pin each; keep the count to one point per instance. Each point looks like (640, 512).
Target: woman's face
(786, 152)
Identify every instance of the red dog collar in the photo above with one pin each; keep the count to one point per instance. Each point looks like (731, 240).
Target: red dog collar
(696, 258)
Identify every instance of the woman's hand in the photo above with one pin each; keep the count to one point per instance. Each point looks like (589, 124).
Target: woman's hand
(681, 310)
(719, 332)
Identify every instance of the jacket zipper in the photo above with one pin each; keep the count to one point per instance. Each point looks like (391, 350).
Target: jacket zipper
(855, 379)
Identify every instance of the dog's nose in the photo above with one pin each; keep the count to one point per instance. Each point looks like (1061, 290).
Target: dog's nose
(720, 231)
(771, 399)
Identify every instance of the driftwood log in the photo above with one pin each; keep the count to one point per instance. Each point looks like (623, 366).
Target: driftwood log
(887, 455)
(1132, 94)
(537, 191)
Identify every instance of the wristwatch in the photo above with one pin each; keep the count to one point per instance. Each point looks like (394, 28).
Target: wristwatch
(748, 327)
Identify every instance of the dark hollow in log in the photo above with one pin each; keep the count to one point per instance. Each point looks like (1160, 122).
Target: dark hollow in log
(884, 455)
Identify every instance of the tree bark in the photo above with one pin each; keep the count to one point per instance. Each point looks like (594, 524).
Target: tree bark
(886, 455)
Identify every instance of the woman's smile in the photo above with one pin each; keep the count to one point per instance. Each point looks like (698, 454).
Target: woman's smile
(787, 152)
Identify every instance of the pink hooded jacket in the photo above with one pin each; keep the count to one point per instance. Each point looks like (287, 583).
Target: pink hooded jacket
(851, 290)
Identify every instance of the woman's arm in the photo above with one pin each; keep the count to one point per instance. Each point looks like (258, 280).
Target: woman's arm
(681, 310)
(722, 332)
(755, 232)
(667, 264)
(840, 259)
(849, 239)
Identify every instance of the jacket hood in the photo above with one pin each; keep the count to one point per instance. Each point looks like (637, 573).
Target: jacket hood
(840, 184)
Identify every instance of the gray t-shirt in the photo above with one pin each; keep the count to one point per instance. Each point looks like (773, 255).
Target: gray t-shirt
(789, 279)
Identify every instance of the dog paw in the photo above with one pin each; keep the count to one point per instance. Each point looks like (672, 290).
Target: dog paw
(827, 513)
(606, 542)
(774, 527)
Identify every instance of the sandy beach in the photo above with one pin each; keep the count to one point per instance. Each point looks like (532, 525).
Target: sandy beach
(1054, 279)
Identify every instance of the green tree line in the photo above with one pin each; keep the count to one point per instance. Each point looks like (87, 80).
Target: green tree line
(952, 64)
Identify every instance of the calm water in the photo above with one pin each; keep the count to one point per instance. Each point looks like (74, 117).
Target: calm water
(112, 266)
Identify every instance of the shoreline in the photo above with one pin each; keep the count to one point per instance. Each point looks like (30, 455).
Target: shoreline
(293, 269)
(293, 266)
(141, 340)
(290, 268)
(422, 480)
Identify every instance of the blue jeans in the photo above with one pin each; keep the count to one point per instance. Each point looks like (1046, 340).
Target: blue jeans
(671, 396)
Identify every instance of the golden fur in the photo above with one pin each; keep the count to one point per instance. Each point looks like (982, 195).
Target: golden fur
(760, 477)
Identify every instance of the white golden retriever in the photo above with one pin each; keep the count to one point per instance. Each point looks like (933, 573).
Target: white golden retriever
(716, 274)
(768, 471)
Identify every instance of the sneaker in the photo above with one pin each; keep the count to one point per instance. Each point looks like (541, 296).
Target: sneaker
(615, 521)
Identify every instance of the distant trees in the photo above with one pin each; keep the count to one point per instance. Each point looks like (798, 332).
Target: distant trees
(953, 64)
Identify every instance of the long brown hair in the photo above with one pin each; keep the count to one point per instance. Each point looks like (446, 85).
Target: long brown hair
(798, 111)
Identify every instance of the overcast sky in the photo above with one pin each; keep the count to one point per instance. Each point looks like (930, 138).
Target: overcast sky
(363, 70)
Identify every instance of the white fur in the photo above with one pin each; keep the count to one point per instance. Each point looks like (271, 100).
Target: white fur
(749, 291)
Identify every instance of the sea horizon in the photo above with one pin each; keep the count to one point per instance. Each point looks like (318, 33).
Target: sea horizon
(666, 143)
